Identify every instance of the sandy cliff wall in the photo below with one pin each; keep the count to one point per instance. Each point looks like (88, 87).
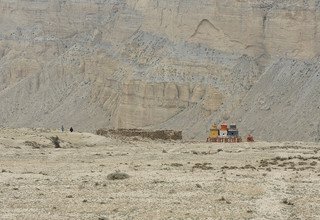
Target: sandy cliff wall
(161, 64)
(283, 28)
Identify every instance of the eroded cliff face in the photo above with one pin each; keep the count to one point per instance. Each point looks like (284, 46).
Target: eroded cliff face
(162, 64)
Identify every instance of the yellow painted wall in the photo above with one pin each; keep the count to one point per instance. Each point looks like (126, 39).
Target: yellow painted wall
(214, 132)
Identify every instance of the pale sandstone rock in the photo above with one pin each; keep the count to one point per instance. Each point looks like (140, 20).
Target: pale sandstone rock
(161, 64)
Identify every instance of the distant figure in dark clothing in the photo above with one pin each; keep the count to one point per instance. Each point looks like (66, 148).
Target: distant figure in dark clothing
(71, 129)
(62, 128)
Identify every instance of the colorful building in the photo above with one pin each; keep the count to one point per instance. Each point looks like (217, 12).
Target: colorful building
(224, 134)
(224, 130)
(214, 131)
(233, 131)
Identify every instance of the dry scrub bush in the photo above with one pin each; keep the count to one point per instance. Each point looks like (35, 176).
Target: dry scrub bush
(56, 141)
(34, 144)
(117, 176)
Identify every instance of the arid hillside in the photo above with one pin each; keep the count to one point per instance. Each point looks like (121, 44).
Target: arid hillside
(170, 64)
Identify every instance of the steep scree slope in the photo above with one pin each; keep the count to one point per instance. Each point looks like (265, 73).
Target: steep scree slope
(162, 64)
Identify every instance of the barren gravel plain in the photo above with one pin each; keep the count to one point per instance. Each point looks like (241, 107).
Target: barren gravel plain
(167, 180)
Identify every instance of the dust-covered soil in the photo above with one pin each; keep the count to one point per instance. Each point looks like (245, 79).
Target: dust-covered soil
(165, 180)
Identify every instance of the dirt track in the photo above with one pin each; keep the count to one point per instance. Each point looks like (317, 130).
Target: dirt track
(168, 180)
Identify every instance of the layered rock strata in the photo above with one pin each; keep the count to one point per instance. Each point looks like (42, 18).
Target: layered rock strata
(162, 65)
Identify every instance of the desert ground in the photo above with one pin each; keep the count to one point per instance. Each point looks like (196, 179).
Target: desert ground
(167, 179)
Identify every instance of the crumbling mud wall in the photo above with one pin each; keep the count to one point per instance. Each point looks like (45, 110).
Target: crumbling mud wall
(154, 135)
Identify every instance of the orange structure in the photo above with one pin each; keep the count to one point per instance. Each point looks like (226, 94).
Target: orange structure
(250, 138)
(224, 127)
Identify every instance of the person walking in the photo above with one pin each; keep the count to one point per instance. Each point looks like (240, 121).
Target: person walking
(71, 129)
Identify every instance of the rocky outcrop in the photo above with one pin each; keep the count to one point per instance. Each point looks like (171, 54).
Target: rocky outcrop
(161, 65)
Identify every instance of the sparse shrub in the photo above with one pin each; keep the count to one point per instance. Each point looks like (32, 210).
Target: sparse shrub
(286, 201)
(158, 181)
(222, 199)
(202, 166)
(248, 166)
(34, 144)
(56, 141)
(117, 176)
(313, 163)
(176, 165)
(263, 163)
